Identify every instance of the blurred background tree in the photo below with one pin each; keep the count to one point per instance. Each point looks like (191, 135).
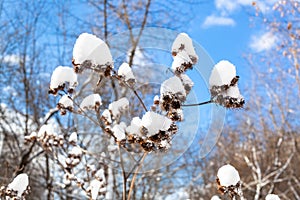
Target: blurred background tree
(261, 141)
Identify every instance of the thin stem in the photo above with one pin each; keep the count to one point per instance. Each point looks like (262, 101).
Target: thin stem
(199, 104)
(140, 99)
(123, 173)
(135, 174)
(132, 89)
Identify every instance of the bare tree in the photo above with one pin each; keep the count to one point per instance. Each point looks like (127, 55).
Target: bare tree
(263, 141)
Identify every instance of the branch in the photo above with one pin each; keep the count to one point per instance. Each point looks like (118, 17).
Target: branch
(123, 173)
(198, 104)
(135, 174)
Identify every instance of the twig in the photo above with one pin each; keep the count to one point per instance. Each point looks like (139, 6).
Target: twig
(123, 173)
(198, 104)
(134, 176)
(140, 99)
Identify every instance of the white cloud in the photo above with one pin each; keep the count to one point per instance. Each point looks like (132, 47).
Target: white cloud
(12, 59)
(225, 8)
(229, 6)
(214, 20)
(263, 42)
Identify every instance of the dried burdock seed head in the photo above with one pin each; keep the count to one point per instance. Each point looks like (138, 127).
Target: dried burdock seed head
(155, 138)
(234, 81)
(148, 146)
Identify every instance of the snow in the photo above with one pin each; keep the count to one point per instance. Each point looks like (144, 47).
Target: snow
(100, 175)
(228, 175)
(95, 186)
(172, 85)
(91, 102)
(46, 129)
(62, 75)
(73, 138)
(119, 106)
(272, 197)
(66, 180)
(106, 114)
(19, 184)
(76, 151)
(155, 122)
(156, 98)
(184, 39)
(119, 132)
(222, 73)
(135, 126)
(165, 144)
(66, 101)
(33, 135)
(89, 47)
(233, 92)
(180, 59)
(126, 72)
(187, 82)
(215, 197)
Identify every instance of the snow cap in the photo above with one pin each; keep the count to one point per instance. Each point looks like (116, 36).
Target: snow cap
(184, 42)
(155, 122)
(228, 175)
(126, 72)
(66, 101)
(91, 102)
(222, 73)
(62, 75)
(89, 47)
(272, 197)
(19, 184)
(172, 85)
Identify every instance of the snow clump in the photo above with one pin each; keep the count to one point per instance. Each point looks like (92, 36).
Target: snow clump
(93, 53)
(91, 102)
(228, 176)
(60, 76)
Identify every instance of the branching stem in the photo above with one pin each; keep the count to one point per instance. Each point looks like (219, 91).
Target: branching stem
(135, 174)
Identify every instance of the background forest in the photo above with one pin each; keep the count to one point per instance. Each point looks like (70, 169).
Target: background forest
(260, 140)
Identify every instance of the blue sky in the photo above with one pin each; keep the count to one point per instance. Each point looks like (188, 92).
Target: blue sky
(225, 30)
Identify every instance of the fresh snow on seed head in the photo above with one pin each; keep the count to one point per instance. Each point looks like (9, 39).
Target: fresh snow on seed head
(89, 47)
(62, 75)
(172, 85)
(215, 197)
(73, 138)
(187, 82)
(222, 73)
(19, 184)
(119, 132)
(100, 175)
(126, 72)
(75, 151)
(233, 92)
(91, 102)
(186, 41)
(135, 126)
(107, 115)
(181, 58)
(95, 187)
(155, 122)
(46, 129)
(156, 98)
(228, 175)
(272, 197)
(66, 101)
(119, 106)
